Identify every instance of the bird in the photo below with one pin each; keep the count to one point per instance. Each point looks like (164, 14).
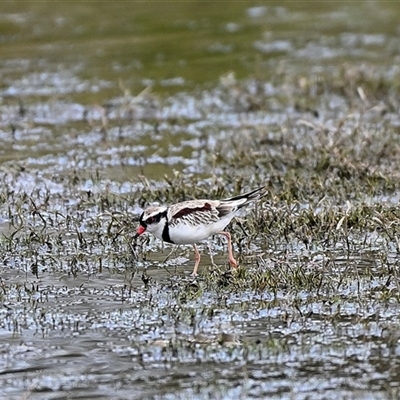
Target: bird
(192, 221)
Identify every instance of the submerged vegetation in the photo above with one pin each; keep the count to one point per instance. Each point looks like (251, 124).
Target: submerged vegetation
(318, 283)
(88, 311)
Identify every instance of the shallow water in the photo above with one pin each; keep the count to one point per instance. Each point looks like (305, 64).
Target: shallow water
(107, 108)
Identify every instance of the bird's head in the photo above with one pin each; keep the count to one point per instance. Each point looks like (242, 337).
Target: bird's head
(152, 220)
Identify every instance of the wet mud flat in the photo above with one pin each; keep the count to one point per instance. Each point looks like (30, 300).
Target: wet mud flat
(314, 308)
(303, 101)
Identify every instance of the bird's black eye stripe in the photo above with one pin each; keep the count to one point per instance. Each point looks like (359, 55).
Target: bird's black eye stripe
(154, 219)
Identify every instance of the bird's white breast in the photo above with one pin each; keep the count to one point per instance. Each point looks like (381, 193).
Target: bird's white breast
(185, 233)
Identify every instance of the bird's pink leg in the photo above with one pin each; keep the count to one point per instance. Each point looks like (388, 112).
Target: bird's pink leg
(197, 260)
(231, 259)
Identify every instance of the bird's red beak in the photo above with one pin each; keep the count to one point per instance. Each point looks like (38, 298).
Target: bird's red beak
(141, 229)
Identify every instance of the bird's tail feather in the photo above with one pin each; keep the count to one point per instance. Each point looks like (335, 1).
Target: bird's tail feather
(249, 196)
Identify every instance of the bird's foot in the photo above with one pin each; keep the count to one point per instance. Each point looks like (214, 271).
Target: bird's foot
(233, 263)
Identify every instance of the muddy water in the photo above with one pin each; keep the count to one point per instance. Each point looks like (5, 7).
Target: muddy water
(97, 103)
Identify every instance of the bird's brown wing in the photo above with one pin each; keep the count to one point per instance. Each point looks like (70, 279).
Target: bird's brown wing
(195, 212)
